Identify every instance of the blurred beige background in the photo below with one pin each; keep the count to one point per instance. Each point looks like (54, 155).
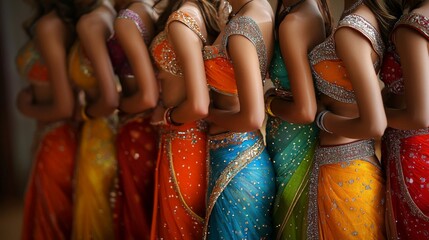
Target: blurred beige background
(16, 131)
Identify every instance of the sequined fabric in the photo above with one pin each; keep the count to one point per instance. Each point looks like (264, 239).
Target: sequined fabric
(136, 153)
(329, 71)
(291, 148)
(30, 64)
(94, 181)
(118, 58)
(161, 49)
(48, 203)
(406, 159)
(218, 66)
(346, 193)
(240, 188)
(180, 186)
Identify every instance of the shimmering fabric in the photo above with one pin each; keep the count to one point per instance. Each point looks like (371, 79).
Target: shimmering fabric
(80, 69)
(346, 193)
(241, 188)
(48, 200)
(179, 205)
(118, 58)
(30, 64)
(405, 155)
(291, 147)
(218, 65)
(136, 152)
(406, 159)
(95, 174)
(161, 49)
(329, 71)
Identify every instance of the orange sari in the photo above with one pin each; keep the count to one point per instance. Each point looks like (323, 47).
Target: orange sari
(48, 200)
(180, 182)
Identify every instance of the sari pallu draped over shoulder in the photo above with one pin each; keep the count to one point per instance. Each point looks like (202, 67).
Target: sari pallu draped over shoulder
(48, 201)
(180, 182)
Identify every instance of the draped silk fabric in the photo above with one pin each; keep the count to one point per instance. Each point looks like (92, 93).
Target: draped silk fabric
(48, 202)
(291, 148)
(180, 182)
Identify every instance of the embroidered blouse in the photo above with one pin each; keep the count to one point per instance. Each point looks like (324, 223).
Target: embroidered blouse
(161, 49)
(328, 69)
(30, 64)
(391, 71)
(218, 65)
(119, 60)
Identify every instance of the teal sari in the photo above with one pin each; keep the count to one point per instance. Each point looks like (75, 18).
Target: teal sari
(291, 147)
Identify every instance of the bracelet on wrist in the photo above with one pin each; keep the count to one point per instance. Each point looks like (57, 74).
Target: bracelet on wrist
(168, 119)
(320, 121)
(84, 114)
(268, 102)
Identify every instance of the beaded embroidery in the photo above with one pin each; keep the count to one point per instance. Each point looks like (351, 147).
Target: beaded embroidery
(345, 154)
(231, 138)
(326, 52)
(133, 16)
(393, 138)
(162, 51)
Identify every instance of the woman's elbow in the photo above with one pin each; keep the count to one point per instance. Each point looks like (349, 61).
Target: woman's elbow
(306, 116)
(255, 122)
(376, 129)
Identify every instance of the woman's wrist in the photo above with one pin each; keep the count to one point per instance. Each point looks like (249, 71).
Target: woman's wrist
(268, 102)
(320, 121)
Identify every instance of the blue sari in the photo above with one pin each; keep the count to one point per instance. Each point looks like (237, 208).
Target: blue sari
(241, 187)
(291, 147)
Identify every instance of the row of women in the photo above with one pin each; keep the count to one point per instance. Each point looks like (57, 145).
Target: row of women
(176, 152)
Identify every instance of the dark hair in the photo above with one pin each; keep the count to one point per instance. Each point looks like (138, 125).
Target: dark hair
(85, 6)
(323, 7)
(207, 8)
(384, 18)
(63, 8)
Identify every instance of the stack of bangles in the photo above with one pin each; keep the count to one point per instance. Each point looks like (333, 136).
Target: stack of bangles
(168, 120)
(271, 95)
(319, 121)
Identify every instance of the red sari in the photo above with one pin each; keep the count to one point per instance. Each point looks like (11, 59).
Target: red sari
(48, 200)
(405, 155)
(136, 153)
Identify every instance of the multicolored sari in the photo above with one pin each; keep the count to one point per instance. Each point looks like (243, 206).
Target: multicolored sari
(291, 148)
(179, 205)
(136, 152)
(48, 201)
(405, 155)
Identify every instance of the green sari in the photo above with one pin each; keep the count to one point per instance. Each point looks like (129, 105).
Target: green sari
(291, 148)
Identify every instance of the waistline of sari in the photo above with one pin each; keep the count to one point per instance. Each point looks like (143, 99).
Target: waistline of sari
(185, 131)
(362, 149)
(232, 138)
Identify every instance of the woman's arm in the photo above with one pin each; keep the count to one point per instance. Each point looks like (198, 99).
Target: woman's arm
(297, 37)
(355, 51)
(412, 48)
(187, 46)
(249, 86)
(93, 29)
(53, 39)
(137, 53)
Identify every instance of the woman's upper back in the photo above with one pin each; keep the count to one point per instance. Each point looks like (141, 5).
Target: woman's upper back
(329, 72)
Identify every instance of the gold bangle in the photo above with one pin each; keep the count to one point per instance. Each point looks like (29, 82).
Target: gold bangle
(268, 106)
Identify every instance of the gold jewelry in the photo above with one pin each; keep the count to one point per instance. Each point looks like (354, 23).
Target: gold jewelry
(83, 114)
(268, 106)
